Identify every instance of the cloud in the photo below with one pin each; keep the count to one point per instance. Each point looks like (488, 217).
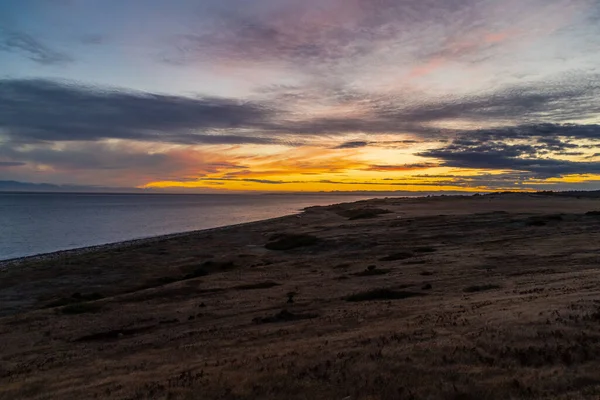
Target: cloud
(92, 39)
(560, 99)
(22, 43)
(346, 39)
(549, 101)
(531, 148)
(547, 133)
(352, 145)
(39, 110)
(7, 164)
(114, 163)
(317, 34)
(402, 167)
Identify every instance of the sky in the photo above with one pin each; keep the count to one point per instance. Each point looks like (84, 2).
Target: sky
(301, 95)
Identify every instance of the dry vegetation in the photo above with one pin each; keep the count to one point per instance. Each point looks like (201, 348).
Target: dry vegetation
(488, 297)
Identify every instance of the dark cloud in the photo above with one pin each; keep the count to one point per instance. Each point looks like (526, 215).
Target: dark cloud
(407, 182)
(88, 156)
(499, 149)
(38, 110)
(401, 167)
(485, 181)
(549, 101)
(546, 133)
(122, 164)
(11, 164)
(577, 100)
(22, 43)
(352, 145)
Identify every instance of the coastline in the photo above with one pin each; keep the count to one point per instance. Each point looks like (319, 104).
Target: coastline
(48, 247)
(14, 262)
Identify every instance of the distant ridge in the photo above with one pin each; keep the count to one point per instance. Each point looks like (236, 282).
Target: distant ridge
(29, 187)
(16, 186)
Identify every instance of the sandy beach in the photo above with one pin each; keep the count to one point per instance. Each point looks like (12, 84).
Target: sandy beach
(474, 297)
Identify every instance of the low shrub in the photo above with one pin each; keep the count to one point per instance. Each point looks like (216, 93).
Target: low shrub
(425, 249)
(362, 213)
(284, 316)
(372, 271)
(75, 298)
(81, 308)
(260, 285)
(397, 256)
(382, 294)
(291, 241)
(480, 288)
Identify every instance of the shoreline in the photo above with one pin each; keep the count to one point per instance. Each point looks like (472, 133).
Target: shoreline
(53, 255)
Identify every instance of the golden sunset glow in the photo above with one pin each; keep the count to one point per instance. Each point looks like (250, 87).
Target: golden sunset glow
(337, 95)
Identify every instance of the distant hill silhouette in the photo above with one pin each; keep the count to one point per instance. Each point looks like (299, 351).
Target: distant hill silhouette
(16, 186)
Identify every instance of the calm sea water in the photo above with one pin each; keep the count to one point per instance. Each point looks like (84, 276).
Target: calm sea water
(37, 223)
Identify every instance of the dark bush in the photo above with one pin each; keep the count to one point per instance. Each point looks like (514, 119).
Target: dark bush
(382, 294)
(284, 316)
(372, 271)
(397, 256)
(260, 285)
(75, 298)
(291, 241)
(217, 266)
(207, 267)
(425, 249)
(81, 308)
(362, 213)
(541, 220)
(481, 288)
(535, 222)
(113, 334)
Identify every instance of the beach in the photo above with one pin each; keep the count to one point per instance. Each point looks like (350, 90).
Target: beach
(450, 297)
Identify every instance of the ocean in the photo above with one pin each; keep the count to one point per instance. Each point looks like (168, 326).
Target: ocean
(38, 223)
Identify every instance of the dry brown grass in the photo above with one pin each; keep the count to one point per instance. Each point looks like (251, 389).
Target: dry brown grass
(162, 331)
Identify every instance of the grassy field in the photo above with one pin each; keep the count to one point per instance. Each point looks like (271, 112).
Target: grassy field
(484, 297)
